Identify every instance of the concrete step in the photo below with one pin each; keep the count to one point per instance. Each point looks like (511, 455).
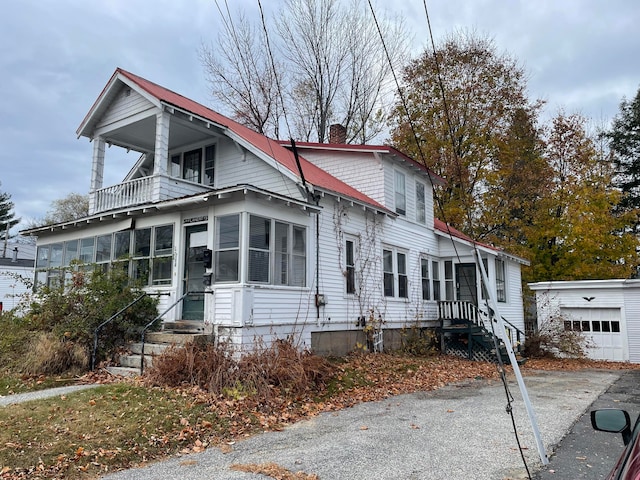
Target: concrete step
(149, 348)
(124, 371)
(184, 326)
(133, 361)
(175, 338)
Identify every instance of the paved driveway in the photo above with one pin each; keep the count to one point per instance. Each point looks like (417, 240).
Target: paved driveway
(459, 432)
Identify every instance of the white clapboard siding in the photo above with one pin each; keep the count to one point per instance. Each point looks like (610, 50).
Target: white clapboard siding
(360, 170)
(128, 103)
(236, 167)
(11, 286)
(632, 321)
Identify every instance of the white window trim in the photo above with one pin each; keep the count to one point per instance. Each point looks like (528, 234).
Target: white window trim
(396, 274)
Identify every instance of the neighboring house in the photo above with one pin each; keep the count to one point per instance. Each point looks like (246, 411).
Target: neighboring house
(317, 243)
(607, 312)
(16, 272)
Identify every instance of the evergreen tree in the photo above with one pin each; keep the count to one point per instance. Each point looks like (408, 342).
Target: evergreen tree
(624, 141)
(7, 217)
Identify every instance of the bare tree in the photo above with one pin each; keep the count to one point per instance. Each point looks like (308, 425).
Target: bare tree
(241, 76)
(330, 67)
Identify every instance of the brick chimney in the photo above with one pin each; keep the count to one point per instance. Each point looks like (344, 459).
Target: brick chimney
(337, 134)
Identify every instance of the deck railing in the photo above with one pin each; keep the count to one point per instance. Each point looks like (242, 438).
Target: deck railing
(454, 310)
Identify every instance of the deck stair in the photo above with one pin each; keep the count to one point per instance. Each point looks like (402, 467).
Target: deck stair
(175, 333)
(463, 333)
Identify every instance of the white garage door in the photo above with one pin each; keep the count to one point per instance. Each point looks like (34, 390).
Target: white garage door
(602, 327)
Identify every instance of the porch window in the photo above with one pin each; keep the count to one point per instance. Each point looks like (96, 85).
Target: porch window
(426, 281)
(227, 248)
(87, 250)
(283, 244)
(421, 203)
(394, 266)
(70, 252)
(501, 289)
(42, 259)
(141, 255)
(259, 249)
(103, 251)
(121, 250)
(400, 194)
(448, 280)
(55, 263)
(162, 255)
(350, 267)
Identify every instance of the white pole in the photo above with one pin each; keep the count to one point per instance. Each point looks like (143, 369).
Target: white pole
(502, 333)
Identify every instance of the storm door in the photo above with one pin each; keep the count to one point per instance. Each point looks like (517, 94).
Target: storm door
(466, 286)
(195, 245)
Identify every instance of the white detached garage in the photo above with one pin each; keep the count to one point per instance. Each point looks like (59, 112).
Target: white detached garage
(607, 312)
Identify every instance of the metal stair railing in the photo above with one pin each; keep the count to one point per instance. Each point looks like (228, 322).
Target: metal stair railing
(96, 332)
(150, 324)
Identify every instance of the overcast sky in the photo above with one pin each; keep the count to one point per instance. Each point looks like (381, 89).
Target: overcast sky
(57, 55)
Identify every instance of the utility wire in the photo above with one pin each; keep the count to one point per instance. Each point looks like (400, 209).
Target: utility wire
(439, 200)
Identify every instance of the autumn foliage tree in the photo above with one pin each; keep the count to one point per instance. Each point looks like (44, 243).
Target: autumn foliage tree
(459, 105)
(544, 192)
(579, 233)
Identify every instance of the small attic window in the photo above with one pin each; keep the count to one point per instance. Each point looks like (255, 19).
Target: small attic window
(127, 92)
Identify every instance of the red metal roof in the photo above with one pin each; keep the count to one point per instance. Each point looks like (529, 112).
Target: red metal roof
(313, 174)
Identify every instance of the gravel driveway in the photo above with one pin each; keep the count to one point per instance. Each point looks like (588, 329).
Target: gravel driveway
(458, 432)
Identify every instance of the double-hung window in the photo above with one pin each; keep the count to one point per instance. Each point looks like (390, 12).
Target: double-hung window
(350, 266)
(501, 290)
(395, 279)
(421, 203)
(400, 193)
(435, 272)
(195, 165)
(426, 280)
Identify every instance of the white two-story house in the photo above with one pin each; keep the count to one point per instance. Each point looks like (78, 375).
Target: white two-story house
(249, 237)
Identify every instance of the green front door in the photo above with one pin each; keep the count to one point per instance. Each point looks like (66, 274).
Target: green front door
(196, 243)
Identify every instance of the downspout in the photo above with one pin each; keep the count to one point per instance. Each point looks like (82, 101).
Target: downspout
(317, 264)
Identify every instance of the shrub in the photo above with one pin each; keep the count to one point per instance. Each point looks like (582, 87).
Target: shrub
(71, 311)
(419, 341)
(280, 367)
(551, 339)
(51, 355)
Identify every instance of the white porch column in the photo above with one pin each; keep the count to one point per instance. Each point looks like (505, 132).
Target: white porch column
(97, 169)
(161, 152)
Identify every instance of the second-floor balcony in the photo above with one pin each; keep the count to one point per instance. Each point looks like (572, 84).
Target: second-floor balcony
(143, 190)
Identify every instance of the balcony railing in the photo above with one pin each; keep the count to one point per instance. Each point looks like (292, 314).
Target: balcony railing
(139, 191)
(133, 192)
